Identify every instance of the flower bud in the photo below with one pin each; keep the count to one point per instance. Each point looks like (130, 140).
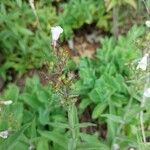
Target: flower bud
(147, 92)
(147, 23)
(143, 63)
(56, 31)
(4, 134)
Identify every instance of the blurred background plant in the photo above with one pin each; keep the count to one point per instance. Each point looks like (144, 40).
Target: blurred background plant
(25, 43)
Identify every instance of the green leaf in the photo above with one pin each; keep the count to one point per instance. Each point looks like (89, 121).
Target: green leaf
(98, 110)
(84, 103)
(87, 138)
(84, 125)
(43, 144)
(19, 3)
(92, 146)
(32, 84)
(31, 100)
(20, 146)
(11, 141)
(24, 31)
(72, 144)
(131, 3)
(95, 95)
(91, 142)
(111, 130)
(12, 93)
(114, 118)
(88, 76)
(73, 120)
(72, 116)
(111, 4)
(43, 96)
(133, 113)
(17, 111)
(59, 125)
(55, 137)
(33, 131)
(43, 116)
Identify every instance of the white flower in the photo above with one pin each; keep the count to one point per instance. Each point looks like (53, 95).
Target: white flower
(115, 147)
(56, 31)
(4, 134)
(147, 92)
(131, 148)
(143, 63)
(147, 23)
(6, 102)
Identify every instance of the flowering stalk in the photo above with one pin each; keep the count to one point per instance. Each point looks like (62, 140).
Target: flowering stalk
(62, 86)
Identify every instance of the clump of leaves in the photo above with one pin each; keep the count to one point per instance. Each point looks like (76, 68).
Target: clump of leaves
(110, 96)
(76, 13)
(24, 43)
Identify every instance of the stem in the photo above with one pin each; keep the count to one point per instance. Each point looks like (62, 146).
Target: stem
(142, 126)
(147, 9)
(115, 21)
(72, 114)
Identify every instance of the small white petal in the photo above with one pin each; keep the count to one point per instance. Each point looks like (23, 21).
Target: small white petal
(147, 92)
(116, 146)
(143, 63)
(131, 149)
(147, 23)
(4, 134)
(6, 102)
(56, 31)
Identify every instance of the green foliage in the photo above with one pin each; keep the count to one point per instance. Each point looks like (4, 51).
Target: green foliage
(36, 118)
(41, 101)
(79, 12)
(10, 143)
(24, 42)
(103, 87)
(35, 107)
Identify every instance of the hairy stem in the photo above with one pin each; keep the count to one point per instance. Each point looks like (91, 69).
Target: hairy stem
(115, 21)
(147, 9)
